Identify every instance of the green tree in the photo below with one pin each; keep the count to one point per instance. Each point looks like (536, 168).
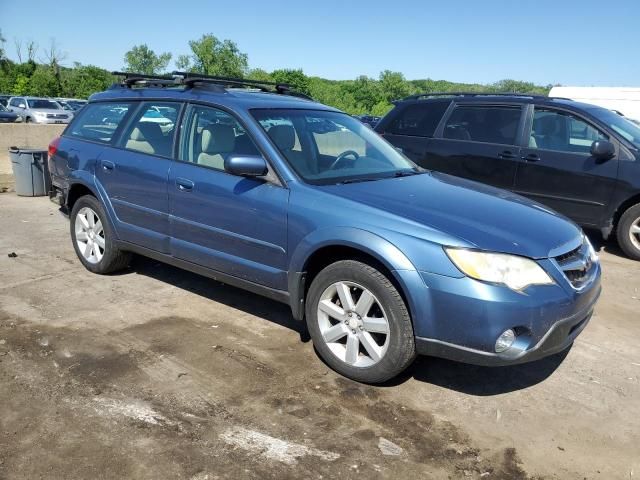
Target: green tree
(366, 93)
(21, 86)
(84, 80)
(2, 41)
(295, 78)
(260, 75)
(393, 85)
(43, 83)
(141, 59)
(211, 56)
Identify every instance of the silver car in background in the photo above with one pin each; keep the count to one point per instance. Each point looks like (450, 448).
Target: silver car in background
(39, 110)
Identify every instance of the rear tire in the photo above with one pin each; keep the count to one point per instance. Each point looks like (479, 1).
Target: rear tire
(628, 232)
(369, 340)
(93, 238)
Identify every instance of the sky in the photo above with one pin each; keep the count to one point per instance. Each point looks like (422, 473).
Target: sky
(568, 42)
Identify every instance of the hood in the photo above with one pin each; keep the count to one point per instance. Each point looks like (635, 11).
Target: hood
(484, 217)
(4, 114)
(50, 111)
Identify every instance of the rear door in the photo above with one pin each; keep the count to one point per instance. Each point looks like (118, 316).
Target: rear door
(134, 173)
(231, 224)
(479, 142)
(558, 170)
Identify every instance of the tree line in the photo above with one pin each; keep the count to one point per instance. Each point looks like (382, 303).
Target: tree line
(40, 72)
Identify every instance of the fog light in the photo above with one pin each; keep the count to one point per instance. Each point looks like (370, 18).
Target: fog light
(505, 340)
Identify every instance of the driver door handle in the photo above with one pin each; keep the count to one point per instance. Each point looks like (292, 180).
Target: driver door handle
(184, 184)
(532, 157)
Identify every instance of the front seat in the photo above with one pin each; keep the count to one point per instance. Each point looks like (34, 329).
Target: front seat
(284, 136)
(550, 132)
(218, 141)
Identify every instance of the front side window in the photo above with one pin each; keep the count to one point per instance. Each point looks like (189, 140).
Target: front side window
(211, 136)
(153, 129)
(329, 147)
(563, 132)
(487, 124)
(419, 119)
(98, 121)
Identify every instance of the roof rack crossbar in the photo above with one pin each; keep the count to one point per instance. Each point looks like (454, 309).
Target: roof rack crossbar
(132, 78)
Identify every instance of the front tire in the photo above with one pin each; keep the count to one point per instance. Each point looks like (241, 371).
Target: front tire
(628, 232)
(93, 238)
(359, 323)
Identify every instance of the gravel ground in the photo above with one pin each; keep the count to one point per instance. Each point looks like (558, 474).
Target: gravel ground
(159, 373)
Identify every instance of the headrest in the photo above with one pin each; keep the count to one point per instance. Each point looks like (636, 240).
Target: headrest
(146, 131)
(284, 136)
(136, 135)
(218, 138)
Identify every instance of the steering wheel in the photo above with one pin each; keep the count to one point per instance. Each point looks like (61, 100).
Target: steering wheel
(342, 156)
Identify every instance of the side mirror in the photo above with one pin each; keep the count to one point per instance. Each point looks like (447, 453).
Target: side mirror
(22, 105)
(246, 165)
(603, 150)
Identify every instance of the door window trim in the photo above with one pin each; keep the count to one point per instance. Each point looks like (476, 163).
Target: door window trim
(553, 108)
(455, 104)
(272, 177)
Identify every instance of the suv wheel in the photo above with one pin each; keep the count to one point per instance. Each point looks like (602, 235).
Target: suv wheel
(628, 232)
(93, 238)
(359, 323)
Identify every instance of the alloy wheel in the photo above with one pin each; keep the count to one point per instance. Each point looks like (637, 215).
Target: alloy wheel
(353, 324)
(634, 233)
(89, 234)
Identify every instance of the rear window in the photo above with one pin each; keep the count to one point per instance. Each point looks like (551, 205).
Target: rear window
(419, 119)
(98, 121)
(488, 124)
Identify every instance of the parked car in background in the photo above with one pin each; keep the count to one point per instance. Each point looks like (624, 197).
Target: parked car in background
(297, 201)
(7, 116)
(71, 103)
(368, 119)
(39, 110)
(4, 100)
(579, 159)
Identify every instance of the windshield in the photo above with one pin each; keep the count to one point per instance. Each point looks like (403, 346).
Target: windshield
(2, 108)
(37, 103)
(330, 147)
(618, 123)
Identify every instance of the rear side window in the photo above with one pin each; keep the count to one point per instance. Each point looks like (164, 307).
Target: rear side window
(487, 124)
(153, 130)
(98, 121)
(419, 119)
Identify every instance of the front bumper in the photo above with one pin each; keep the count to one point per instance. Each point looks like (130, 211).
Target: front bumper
(558, 338)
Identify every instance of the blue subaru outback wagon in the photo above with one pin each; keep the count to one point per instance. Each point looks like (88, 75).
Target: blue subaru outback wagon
(250, 184)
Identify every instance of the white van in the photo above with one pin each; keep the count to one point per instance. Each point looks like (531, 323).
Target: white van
(624, 100)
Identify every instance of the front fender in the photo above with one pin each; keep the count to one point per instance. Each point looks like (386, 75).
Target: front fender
(382, 250)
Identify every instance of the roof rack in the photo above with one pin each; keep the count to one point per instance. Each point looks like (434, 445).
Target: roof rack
(476, 94)
(191, 79)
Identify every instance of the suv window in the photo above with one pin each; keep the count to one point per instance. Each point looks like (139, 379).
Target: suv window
(153, 129)
(98, 121)
(419, 119)
(16, 101)
(487, 124)
(212, 135)
(561, 131)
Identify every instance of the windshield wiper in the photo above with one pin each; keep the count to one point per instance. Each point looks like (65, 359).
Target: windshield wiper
(408, 173)
(358, 180)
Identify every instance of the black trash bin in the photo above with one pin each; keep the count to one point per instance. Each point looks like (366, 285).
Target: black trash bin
(30, 171)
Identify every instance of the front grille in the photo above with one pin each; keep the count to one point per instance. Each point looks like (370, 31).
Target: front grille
(576, 265)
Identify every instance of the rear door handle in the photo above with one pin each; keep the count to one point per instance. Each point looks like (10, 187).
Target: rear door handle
(184, 184)
(507, 155)
(532, 157)
(107, 165)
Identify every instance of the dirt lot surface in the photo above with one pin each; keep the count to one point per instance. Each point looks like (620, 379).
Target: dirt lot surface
(157, 373)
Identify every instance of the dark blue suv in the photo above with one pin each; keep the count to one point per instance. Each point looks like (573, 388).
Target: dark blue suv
(254, 186)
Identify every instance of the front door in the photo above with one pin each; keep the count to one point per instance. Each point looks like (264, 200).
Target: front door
(557, 168)
(231, 224)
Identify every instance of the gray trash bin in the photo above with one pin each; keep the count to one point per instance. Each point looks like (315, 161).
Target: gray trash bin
(30, 171)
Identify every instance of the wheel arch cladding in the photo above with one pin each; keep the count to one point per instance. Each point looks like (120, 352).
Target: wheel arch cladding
(324, 247)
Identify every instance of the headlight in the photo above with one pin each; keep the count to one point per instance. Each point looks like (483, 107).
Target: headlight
(515, 272)
(592, 251)
(40, 114)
